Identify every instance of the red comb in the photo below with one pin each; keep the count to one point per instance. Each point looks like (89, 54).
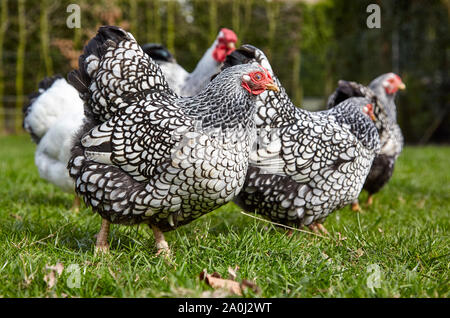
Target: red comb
(229, 35)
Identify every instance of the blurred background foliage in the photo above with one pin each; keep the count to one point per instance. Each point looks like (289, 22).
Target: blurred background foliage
(311, 44)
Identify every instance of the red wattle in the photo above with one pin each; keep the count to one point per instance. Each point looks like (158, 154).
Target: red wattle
(256, 91)
(221, 51)
(391, 89)
(245, 85)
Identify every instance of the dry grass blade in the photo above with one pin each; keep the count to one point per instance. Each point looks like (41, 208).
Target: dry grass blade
(232, 272)
(285, 226)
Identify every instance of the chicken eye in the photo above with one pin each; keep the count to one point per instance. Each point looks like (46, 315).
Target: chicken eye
(257, 76)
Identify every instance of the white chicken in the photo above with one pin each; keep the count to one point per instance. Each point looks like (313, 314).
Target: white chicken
(52, 117)
(189, 84)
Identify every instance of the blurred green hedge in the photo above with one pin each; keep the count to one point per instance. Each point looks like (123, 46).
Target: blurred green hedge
(311, 44)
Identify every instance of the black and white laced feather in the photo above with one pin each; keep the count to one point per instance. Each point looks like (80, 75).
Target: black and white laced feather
(147, 155)
(305, 165)
(391, 138)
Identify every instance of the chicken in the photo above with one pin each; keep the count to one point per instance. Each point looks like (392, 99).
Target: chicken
(381, 91)
(305, 164)
(159, 53)
(146, 155)
(52, 117)
(188, 84)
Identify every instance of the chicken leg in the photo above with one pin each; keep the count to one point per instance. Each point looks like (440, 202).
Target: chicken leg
(161, 243)
(318, 228)
(76, 204)
(355, 206)
(370, 200)
(102, 245)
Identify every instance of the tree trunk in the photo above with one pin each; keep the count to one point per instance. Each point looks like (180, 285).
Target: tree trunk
(149, 22)
(296, 86)
(235, 16)
(247, 18)
(297, 61)
(272, 11)
(45, 38)
(212, 21)
(77, 45)
(3, 25)
(156, 23)
(171, 26)
(134, 18)
(77, 33)
(20, 64)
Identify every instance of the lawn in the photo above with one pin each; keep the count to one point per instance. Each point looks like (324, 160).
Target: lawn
(399, 247)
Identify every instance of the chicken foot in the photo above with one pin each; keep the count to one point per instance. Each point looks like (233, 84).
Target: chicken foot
(102, 245)
(161, 244)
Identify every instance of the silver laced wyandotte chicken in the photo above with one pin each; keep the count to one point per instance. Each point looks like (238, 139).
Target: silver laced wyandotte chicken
(382, 91)
(188, 84)
(305, 164)
(52, 117)
(146, 155)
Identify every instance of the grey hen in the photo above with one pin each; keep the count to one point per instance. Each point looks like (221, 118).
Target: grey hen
(382, 92)
(305, 165)
(146, 155)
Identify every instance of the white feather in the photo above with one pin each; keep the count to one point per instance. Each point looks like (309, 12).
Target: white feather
(55, 116)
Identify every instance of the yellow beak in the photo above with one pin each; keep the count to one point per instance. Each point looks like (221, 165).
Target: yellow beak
(271, 86)
(231, 46)
(402, 86)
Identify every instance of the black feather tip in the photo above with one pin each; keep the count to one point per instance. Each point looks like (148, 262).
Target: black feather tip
(344, 91)
(243, 55)
(158, 52)
(106, 36)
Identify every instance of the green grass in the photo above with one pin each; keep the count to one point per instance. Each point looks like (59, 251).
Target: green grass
(404, 235)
